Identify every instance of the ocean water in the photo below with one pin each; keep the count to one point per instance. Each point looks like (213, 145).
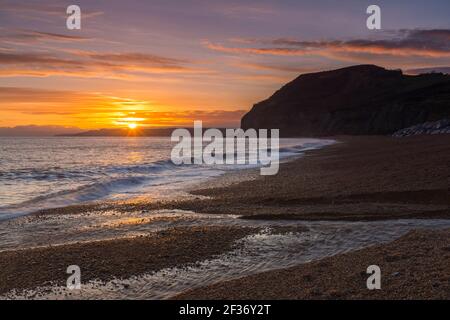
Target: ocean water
(49, 172)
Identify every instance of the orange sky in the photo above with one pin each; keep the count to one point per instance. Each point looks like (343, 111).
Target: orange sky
(167, 63)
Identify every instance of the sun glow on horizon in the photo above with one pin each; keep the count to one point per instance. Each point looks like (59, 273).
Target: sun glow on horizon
(131, 123)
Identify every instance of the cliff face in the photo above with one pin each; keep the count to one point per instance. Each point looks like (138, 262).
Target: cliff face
(357, 100)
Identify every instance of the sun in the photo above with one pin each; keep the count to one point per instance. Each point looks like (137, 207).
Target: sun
(132, 126)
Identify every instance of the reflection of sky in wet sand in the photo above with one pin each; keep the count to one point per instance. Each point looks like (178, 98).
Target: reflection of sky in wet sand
(277, 244)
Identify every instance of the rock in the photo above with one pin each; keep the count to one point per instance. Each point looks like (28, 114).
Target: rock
(436, 127)
(357, 100)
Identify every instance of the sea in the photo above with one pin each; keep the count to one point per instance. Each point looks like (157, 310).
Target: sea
(47, 172)
(41, 173)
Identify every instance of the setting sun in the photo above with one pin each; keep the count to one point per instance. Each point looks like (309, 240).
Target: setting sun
(132, 125)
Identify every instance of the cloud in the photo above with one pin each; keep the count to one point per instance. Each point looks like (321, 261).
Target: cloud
(27, 36)
(274, 67)
(45, 102)
(24, 7)
(138, 59)
(32, 130)
(102, 110)
(88, 64)
(22, 94)
(264, 51)
(445, 70)
(213, 118)
(420, 43)
(242, 9)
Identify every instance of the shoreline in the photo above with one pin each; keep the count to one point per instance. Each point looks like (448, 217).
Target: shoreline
(415, 266)
(358, 179)
(107, 260)
(361, 179)
(169, 190)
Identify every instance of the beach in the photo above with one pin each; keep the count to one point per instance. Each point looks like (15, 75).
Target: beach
(413, 267)
(355, 183)
(109, 259)
(360, 178)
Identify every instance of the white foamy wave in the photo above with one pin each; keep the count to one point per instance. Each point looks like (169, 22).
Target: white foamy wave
(72, 196)
(83, 175)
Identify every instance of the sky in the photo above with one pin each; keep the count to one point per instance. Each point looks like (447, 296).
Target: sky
(160, 63)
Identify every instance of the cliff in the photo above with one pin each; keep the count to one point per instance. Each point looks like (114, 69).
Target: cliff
(357, 100)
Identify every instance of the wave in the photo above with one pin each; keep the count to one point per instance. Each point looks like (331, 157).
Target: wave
(154, 167)
(58, 173)
(103, 182)
(300, 149)
(82, 194)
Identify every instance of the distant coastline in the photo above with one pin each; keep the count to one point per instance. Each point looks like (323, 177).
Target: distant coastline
(37, 131)
(144, 132)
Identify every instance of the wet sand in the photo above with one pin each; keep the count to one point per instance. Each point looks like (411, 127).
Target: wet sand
(416, 266)
(361, 178)
(115, 259)
(357, 179)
